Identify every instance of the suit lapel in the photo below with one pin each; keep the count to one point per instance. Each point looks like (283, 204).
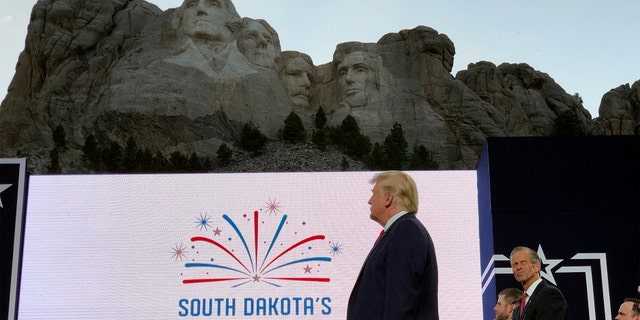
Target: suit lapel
(533, 297)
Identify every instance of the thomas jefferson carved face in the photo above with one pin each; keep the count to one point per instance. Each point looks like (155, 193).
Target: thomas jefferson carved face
(296, 78)
(206, 20)
(257, 44)
(356, 78)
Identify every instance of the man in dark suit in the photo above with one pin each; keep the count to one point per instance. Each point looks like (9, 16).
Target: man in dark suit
(541, 300)
(399, 278)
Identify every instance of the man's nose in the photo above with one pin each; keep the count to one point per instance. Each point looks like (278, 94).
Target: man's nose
(306, 83)
(263, 42)
(348, 77)
(202, 6)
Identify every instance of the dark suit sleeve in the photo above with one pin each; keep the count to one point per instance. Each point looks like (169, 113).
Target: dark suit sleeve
(549, 304)
(555, 306)
(407, 255)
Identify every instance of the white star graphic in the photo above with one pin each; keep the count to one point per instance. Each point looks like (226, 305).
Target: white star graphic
(550, 264)
(3, 187)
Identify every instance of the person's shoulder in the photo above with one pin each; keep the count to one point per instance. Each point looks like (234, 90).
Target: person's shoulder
(409, 224)
(548, 285)
(548, 289)
(411, 216)
(408, 219)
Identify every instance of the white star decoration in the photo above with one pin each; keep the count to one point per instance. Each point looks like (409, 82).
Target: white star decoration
(550, 264)
(3, 187)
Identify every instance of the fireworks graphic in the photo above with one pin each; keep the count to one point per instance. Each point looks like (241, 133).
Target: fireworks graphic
(336, 249)
(178, 252)
(203, 222)
(273, 207)
(241, 258)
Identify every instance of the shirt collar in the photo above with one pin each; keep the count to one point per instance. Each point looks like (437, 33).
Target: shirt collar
(393, 219)
(533, 287)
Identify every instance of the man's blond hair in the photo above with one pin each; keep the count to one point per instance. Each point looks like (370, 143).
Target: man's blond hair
(401, 186)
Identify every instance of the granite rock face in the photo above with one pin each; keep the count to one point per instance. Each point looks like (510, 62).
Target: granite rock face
(188, 79)
(529, 101)
(619, 111)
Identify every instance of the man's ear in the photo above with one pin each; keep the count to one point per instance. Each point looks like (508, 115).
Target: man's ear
(388, 200)
(538, 267)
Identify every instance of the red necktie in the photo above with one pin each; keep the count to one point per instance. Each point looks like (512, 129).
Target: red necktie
(380, 235)
(523, 302)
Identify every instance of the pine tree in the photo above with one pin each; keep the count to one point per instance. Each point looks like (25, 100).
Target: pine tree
(320, 119)
(376, 159)
(159, 163)
(91, 151)
(54, 165)
(395, 148)
(112, 157)
(178, 162)
(145, 160)
(194, 164)
(319, 136)
(421, 159)
(130, 162)
(344, 165)
(293, 130)
(59, 138)
(224, 155)
(349, 139)
(252, 140)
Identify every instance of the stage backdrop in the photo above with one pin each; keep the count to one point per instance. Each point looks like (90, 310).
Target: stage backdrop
(576, 200)
(227, 246)
(13, 174)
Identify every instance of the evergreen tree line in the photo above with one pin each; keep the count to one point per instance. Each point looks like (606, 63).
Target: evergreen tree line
(111, 157)
(392, 154)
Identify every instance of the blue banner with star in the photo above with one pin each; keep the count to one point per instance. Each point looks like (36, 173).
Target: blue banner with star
(12, 198)
(574, 200)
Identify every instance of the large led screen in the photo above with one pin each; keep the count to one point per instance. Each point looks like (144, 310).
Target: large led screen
(227, 246)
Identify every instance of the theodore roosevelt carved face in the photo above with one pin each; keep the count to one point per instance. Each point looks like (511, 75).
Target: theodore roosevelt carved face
(296, 74)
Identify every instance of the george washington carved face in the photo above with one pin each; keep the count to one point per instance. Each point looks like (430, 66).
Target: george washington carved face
(206, 20)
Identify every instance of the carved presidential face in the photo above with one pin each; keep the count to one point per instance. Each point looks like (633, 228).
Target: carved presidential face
(296, 78)
(356, 78)
(257, 44)
(206, 20)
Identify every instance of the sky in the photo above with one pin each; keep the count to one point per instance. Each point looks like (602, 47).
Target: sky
(587, 47)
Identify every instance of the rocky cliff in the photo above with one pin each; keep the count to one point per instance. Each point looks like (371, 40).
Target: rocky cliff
(188, 79)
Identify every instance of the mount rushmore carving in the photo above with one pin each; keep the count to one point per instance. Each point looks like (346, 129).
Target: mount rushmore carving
(187, 79)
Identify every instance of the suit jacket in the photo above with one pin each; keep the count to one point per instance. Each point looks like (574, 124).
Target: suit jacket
(399, 278)
(546, 303)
